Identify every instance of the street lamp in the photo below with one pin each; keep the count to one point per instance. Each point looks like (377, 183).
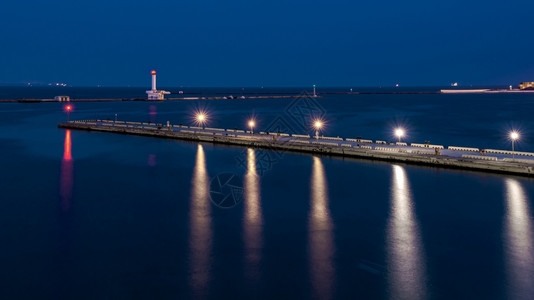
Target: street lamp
(318, 124)
(251, 124)
(399, 132)
(68, 108)
(201, 119)
(514, 135)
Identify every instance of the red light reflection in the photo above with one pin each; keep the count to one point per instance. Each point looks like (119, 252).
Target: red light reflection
(151, 160)
(153, 113)
(67, 155)
(66, 176)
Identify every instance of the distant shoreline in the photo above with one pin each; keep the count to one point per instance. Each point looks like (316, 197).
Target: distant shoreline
(484, 91)
(272, 95)
(147, 100)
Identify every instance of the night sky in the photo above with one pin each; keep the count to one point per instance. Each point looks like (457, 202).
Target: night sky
(267, 42)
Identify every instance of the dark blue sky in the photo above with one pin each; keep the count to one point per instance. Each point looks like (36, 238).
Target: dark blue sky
(267, 43)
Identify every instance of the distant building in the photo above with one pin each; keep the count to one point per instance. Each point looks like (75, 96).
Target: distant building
(62, 98)
(526, 85)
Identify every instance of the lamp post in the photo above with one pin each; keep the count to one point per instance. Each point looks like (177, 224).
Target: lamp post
(68, 108)
(317, 125)
(201, 119)
(399, 132)
(514, 135)
(251, 124)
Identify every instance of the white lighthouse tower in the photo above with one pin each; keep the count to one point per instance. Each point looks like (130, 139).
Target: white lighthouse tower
(154, 94)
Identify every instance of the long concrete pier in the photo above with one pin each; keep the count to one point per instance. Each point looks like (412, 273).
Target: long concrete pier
(468, 158)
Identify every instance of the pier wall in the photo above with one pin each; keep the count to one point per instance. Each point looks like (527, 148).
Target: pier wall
(311, 146)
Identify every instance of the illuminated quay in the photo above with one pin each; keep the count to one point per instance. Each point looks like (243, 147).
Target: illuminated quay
(468, 158)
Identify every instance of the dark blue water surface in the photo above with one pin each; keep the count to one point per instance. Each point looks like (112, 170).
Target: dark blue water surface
(105, 216)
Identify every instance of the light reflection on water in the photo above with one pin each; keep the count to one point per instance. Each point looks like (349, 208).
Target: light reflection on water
(518, 241)
(504, 257)
(66, 174)
(201, 234)
(406, 265)
(321, 236)
(253, 220)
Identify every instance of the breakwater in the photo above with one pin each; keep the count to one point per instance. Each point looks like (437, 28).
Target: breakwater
(459, 157)
(229, 97)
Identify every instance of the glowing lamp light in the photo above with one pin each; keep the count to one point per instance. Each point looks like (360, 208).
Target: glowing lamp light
(68, 108)
(514, 135)
(251, 124)
(201, 118)
(317, 124)
(399, 132)
(153, 72)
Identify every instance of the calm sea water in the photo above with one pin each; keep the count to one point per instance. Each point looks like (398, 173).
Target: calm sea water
(94, 215)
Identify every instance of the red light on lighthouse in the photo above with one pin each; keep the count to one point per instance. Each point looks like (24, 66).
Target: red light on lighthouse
(153, 72)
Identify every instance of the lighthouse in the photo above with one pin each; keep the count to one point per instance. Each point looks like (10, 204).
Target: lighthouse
(153, 80)
(154, 94)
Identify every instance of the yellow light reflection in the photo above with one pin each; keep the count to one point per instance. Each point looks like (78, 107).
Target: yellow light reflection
(200, 240)
(320, 235)
(406, 265)
(253, 221)
(519, 247)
